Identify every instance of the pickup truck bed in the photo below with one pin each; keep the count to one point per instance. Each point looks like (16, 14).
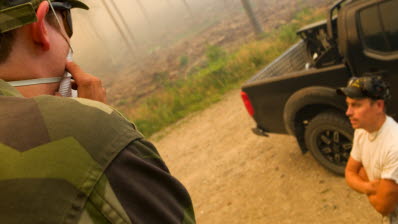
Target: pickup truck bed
(294, 59)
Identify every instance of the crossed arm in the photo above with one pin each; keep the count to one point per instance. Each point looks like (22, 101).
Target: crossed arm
(382, 193)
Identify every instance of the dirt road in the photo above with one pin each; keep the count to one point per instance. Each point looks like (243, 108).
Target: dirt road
(235, 176)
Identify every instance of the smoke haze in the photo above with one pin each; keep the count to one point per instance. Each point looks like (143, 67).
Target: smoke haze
(117, 33)
(128, 43)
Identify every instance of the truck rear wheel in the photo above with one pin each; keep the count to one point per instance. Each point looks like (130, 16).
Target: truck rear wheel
(329, 138)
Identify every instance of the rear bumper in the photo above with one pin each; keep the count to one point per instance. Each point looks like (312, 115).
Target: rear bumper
(260, 132)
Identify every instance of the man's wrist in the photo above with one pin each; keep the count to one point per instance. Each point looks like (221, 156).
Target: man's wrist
(369, 189)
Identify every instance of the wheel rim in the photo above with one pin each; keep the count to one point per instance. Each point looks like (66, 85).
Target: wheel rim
(334, 146)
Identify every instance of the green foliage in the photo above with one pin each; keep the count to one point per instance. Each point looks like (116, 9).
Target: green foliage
(161, 78)
(257, 57)
(184, 61)
(304, 13)
(288, 33)
(209, 82)
(308, 15)
(215, 53)
(121, 102)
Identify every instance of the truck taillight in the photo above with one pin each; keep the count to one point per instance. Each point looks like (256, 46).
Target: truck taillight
(247, 103)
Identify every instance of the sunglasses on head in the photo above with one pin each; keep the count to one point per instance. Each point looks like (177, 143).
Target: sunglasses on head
(64, 9)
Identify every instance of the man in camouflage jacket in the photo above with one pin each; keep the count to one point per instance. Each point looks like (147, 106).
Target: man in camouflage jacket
(70, 160)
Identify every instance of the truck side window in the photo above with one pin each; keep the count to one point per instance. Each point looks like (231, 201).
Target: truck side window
(379, 26)
(389, 15)
(372, 29)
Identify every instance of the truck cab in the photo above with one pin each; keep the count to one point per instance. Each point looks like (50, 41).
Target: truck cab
(368, 40)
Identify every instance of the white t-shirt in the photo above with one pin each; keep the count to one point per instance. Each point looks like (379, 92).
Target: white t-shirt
(378, 153)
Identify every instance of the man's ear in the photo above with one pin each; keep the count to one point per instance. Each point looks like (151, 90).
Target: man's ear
(380, 105)
(39, 29)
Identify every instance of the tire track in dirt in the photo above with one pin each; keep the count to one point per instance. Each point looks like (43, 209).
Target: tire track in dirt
(235, 176)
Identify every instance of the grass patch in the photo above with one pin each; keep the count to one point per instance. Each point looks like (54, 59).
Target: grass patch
(184, 60)
(223, 72)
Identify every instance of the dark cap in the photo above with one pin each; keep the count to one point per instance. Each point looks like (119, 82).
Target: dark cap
(17, 13)
(366, 87)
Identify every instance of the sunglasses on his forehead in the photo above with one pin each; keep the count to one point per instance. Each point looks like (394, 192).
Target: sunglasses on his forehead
(64, 9)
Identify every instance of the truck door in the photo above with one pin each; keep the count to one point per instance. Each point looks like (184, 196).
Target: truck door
(378, 30)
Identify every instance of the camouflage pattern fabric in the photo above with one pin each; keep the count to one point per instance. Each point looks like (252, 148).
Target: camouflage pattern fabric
(17, 13)
(52, 159)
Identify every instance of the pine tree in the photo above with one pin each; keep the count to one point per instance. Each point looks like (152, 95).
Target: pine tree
(253, 20)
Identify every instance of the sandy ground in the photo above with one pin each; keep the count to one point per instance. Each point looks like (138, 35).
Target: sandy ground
(235, 176)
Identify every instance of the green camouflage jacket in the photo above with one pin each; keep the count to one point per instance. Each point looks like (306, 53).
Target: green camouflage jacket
(66, 160)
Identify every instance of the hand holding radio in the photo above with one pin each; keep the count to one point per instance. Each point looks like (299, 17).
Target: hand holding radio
(87, 86)
(65, 86)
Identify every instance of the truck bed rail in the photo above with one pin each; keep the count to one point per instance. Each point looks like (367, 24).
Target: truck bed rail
(294, 59)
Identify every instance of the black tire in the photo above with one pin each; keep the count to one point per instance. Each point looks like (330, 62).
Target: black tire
(329, 138)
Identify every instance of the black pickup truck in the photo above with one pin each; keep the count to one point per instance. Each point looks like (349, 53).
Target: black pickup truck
(295, 94)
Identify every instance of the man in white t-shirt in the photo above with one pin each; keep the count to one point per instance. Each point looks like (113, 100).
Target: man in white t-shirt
(372, 168)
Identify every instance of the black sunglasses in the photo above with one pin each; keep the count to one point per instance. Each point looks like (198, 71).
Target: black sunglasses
(64, 9)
